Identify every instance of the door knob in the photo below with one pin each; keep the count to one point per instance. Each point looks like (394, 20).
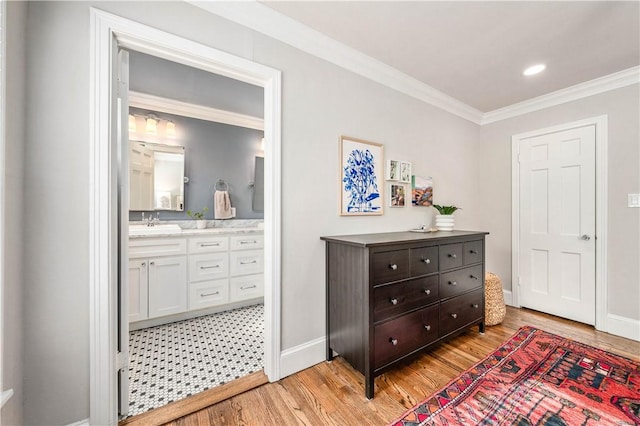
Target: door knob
(585, 237)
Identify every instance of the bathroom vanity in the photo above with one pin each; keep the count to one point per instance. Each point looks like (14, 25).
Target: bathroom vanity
(184, 273)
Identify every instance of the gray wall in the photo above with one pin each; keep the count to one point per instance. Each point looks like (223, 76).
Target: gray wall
(623, 249)
(213, 151)
(12, 309)
(320, 102)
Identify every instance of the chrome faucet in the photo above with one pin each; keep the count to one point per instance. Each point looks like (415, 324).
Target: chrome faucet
(150, 220)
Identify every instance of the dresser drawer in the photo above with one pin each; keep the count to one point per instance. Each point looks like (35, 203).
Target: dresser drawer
(460, 281)
(461, 311)
(208, 293)
(424, 261)
(472, 252)
(247, 242)
(208, 266)
(153, 247)
(208, 244)
(450, 256)
(398, 337)
(389, 266)
(247, 262)
(394, 299)
(248, 287)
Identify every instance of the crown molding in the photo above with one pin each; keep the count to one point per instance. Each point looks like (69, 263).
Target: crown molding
(267, 21)
(171, 106)
(589, 88)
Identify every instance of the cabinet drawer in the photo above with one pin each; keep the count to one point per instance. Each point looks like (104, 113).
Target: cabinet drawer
(394, 299)
(154, 247)
(424, 261)
(247, 242)
(398, 337)
(450, 256)
(208, 293)
(460, 281)
(247, 262)
(460, 311)
(208, 266)
(472, 252)
(208, 244)
(390, 266)
(249, 287)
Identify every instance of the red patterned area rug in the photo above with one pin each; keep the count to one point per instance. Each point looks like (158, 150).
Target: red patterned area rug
(537, 378)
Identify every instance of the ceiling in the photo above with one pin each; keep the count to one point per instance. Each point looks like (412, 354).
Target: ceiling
(476, 51)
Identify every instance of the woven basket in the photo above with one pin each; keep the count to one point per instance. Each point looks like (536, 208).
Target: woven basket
(494, 308)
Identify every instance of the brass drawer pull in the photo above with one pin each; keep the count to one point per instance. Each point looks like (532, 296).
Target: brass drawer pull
(393, 266)
(393, 341)
(393, 301)
(427, 291)
(473, 251)
(473, 277)
(475, 306)
(452, 255)
(453, 283)
(427, 261)
(454, 316)
(209, 294)
(210, 267)
(427, 327)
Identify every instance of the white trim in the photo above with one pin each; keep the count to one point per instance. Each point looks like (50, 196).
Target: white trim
(185, 109)
(106, 27)
(508, 297)
(623, 326)
(593, 87)
(303, 356)
(276, 25)
(3, 137)
(6, 395)
(601, 124)
(84, 422)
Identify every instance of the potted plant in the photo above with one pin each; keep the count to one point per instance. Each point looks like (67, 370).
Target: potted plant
(201, 223)
(445, 219)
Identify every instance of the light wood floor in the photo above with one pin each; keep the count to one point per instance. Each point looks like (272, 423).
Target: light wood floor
(332, 393)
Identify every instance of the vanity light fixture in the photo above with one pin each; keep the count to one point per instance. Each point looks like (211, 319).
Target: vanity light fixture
(152, 123)
(170, 128)
(534, 69)
(132, 123)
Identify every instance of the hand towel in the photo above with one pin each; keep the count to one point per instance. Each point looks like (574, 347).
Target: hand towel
(222, 205)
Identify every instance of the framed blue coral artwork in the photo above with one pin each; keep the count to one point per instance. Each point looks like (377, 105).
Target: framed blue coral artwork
(361, 177)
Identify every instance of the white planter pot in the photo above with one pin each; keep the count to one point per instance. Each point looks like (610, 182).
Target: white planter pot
(445, 222)
(201, 224)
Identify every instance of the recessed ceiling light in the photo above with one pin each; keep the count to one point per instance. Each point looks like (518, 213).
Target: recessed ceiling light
(534, 69)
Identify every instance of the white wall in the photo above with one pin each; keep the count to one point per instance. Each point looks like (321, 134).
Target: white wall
(320, 102)
(12, 412)
(622, 108)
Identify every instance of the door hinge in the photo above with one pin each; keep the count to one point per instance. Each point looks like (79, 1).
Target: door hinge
(122, 362)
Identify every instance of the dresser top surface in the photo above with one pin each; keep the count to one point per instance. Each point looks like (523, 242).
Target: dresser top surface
(384, 238)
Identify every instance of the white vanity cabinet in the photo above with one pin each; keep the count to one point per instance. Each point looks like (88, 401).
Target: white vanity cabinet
(208, 271)
(157, 277)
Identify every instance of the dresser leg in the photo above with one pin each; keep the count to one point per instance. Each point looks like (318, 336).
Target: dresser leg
(368, 386)
(329, 353)
(481, 327)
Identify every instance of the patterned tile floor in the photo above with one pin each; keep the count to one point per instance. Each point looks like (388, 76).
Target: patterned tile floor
(172, 361)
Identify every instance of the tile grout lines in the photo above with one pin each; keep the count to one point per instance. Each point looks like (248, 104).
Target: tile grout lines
(172, 361)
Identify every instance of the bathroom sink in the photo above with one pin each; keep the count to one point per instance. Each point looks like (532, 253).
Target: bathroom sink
(154, 230)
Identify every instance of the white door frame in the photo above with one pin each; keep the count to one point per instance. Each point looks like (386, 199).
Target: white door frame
(107, 29)
(601, 124)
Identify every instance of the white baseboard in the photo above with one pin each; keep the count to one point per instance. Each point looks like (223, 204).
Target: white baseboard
(623, 327)
(508, 297)
(302, 356)
(84, 422)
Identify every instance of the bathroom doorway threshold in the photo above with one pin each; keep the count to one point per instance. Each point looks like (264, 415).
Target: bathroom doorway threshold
(186, 406)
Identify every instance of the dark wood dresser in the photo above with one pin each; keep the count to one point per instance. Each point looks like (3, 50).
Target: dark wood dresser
(392, 295)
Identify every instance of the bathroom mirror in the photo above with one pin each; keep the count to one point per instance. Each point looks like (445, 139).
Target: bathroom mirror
(156, 177)
(257, 202)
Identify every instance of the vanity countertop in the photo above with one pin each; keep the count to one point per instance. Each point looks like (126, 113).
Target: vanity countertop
(191, 232)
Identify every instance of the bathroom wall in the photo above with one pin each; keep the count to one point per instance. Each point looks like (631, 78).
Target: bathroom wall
(212, 151)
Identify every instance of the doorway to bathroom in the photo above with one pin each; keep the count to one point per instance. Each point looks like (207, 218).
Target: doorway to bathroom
(108, 348)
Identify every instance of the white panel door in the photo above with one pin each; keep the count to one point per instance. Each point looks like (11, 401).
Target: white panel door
(557, 223)
(167, 286)
(141, 166)
(138, 290)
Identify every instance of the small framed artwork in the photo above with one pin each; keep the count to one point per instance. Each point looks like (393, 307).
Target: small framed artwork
(396, 195)
(405, 172)
(393, 170)
(361, 174)
(421, 191)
